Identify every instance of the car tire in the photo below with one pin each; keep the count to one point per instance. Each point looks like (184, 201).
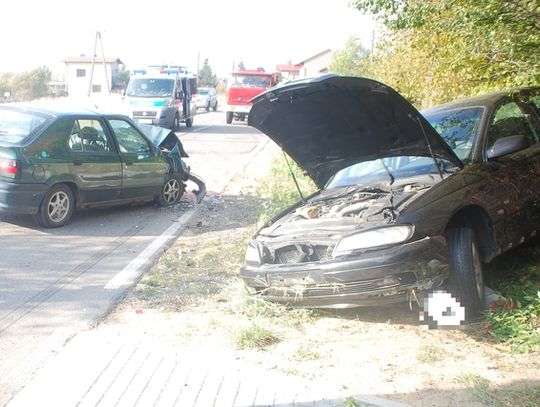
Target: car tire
(171, 191)
(189, 122)
(176, 123)
(208, 107)
(56, 207)
(229, 117)
(465, 280)
(215, 107)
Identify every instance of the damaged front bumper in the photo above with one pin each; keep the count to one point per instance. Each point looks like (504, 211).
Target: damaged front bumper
(369, 278)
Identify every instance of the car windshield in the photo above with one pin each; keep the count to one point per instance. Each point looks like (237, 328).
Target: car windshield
(16, 127)
(202, 91)
(459, 128)
(250, 81)
(385, 170)
(150, 87)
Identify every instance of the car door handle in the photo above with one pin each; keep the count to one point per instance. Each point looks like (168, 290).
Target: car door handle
(77, 162)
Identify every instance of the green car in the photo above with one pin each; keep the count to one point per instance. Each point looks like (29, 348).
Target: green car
(52, 161)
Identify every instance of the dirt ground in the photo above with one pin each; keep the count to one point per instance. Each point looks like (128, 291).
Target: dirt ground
(192, 299)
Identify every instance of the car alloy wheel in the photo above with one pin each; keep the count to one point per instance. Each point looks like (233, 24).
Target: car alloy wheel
(56, 208)
(172, 191)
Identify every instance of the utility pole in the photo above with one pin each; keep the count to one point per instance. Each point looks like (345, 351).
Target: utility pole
(98, 36)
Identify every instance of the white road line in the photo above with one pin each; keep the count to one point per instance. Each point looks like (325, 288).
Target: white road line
(131, 272)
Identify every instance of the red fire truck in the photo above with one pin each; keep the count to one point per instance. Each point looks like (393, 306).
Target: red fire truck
(242, 87)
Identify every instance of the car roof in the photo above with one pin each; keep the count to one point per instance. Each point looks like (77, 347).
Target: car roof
(55, 110)
(487, 99)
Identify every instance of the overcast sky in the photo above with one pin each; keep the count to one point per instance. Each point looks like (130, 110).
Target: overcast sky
(261, 33)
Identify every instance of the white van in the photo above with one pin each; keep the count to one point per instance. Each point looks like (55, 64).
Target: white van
(161, 97)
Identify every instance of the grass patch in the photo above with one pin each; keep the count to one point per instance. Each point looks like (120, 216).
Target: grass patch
(254, 337)
(306, 352)
(516, 276)
(524, 396)
(430, 354)
(352, 402)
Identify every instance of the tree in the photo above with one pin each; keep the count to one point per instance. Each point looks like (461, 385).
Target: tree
(206, 75)
(351, 60)
(454, 48)
(26, 85)
(123, 77)
(241, 66)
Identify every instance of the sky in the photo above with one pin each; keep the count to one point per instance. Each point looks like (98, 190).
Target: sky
(178, 32)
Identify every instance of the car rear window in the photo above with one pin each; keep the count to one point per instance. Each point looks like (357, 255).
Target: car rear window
(16, 127)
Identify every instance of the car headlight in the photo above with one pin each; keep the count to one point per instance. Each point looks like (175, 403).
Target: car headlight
(253, 255)
(373, 238)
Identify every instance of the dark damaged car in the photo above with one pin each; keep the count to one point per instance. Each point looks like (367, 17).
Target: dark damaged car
(54, 160)
(402, 208)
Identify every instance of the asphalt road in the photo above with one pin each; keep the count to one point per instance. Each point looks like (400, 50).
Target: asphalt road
(54, 282)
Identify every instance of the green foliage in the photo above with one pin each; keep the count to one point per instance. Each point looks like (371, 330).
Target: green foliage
(123, 77)
(517, 277)
(278, 189)
(206, 75)
(351, 60)
(519, 327)
(26, 85)
(436, 50)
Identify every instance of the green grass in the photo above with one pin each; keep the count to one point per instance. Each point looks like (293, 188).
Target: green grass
(430, 354)
(306, 352)
(482, 391)
(278, 190)
(254, 337)
(516, 276)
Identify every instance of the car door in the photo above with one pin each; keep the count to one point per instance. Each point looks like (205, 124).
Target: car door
(516, 173)
(143, 169)
(93, 161)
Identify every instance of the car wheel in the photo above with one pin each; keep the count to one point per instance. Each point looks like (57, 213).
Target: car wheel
(229, 117)
(56, 208)
(172, 191)
(208, 107)
(176, 123)
(465, 280)
(189, 122)
(215, 107)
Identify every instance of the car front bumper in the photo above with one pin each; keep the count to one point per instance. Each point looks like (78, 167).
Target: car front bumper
(371, 278)
(22, 199)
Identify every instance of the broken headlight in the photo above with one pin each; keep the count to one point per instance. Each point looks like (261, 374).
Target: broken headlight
(373, 238)
(253, 254)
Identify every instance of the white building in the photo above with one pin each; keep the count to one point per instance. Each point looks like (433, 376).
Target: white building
(313, 66)
(80, 80)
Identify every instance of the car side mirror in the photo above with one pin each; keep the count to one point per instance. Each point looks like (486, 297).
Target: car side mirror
(508, 145)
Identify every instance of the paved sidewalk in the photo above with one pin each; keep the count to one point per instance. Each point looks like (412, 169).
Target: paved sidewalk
(97, 370)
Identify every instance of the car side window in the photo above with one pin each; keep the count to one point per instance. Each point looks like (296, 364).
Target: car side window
(509, 120)
(129, 139)
(87, 135)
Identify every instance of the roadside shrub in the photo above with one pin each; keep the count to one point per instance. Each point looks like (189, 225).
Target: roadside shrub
(278, 190)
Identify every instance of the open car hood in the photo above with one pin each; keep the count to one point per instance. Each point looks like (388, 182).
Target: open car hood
(331, 122)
